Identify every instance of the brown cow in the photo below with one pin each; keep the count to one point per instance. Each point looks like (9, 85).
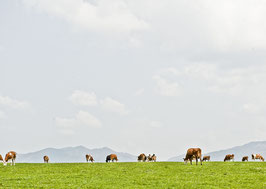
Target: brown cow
(205, 158)
(153, 158)
(111, 157)
(89, 158)
(142, 157)
(149, 158)
(45, 159)
(245, 158)
(1, 158)
(257, 156)
(229, 157)
(11, 155)
(193, 152)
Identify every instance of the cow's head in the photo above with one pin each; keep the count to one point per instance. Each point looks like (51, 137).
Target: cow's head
(185, 160)
(6, 159)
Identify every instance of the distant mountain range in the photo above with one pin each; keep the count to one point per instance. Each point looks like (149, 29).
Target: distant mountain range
(72, 154)
(239, 151)
(77, 154)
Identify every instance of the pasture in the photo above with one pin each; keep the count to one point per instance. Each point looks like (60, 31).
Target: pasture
(134, 175)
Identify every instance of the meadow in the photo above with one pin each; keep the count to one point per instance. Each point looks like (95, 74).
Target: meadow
(134, 175)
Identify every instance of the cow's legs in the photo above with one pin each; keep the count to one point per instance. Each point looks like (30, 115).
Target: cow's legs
(190, 161)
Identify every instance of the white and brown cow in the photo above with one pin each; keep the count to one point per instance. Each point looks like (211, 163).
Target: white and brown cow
(111, 157)
(45, 159)
(142, 157)
(151, 157)
(11, 155)
(89, 158)
(257, 156)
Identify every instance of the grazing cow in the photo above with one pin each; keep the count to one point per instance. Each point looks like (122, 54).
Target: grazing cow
(45, 159)
(149, 158)
(11, 155)
(245, 158)
(229, 157)
(257, 156)
(1, 158)
(153, 158)
(196, 152)
(205, 158)
(111, 157)
(89, 158)
(142, 157)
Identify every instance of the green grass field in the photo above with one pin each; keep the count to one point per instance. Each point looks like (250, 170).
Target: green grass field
(135, 175)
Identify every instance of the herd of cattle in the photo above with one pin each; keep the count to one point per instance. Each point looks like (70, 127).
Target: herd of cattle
(192, 154)
(195, 154)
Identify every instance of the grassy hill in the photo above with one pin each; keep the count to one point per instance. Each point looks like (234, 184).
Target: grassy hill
(135, 175)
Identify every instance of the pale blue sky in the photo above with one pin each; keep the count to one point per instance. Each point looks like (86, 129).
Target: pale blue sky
(134, 75)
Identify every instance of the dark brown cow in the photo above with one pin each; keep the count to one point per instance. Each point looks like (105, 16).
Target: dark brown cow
(229, 157)
(11, 155)
(257, 156)
(193, 152)
(111, 157)
(142, 157)
(45, 159)
(245, 158)
(206, 158)
(89, 158)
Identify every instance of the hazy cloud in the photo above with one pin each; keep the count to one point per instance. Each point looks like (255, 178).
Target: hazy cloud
(246, 83)
(83, 98)
(7, 101)
(102, 15)
(165, 87)
(112, 105)
(82, 118)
